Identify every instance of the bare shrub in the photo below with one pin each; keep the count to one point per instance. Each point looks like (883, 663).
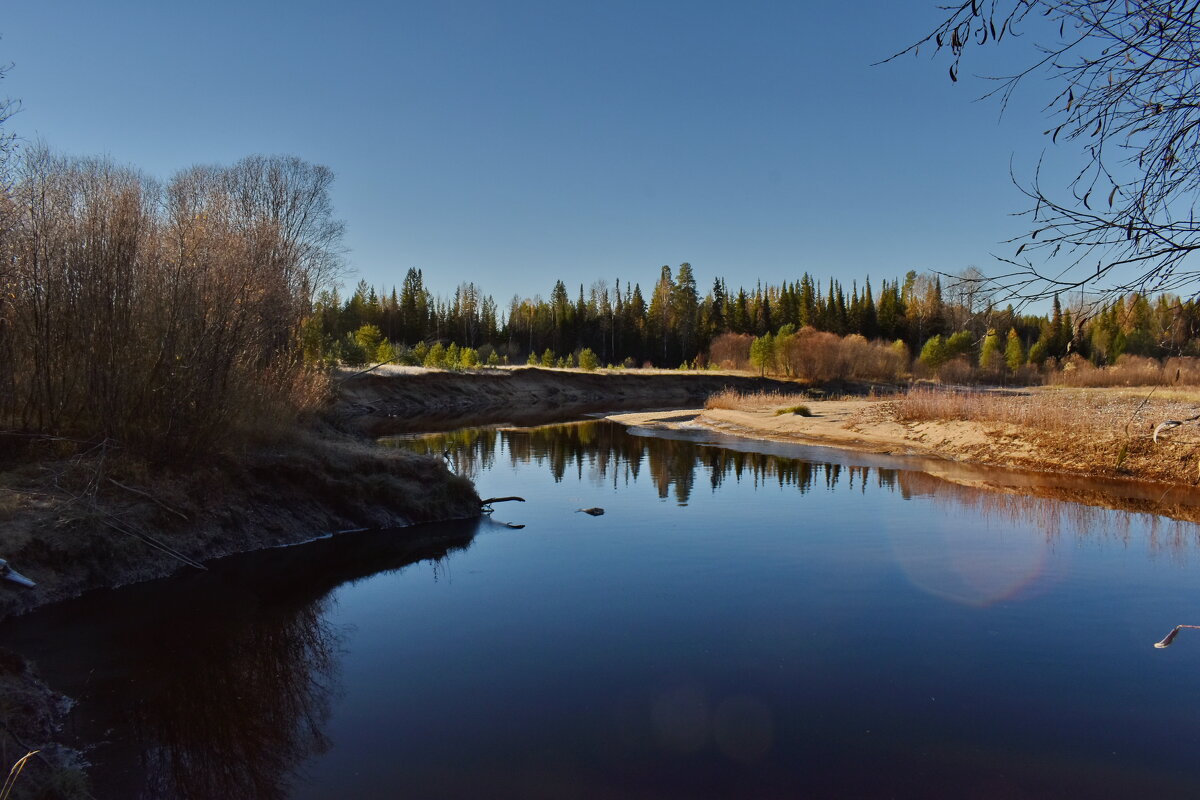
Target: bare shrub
(1129, 370)
(957, 370)
(731, 351)
(165, 318)
(821, 356)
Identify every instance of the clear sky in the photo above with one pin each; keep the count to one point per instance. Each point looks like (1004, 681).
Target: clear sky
(517, 143)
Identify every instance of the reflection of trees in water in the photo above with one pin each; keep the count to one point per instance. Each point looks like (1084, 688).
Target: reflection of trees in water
(217, 684)
(606, 453)
(236, 721)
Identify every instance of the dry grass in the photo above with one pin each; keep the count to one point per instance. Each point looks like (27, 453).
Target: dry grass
(758, 401)
(1031, 411)
(1129, 371)
(1079, 412)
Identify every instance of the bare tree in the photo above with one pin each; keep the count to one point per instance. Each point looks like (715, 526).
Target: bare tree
(8, 138)
(162, 316)
(1126, 93)
(288, 198)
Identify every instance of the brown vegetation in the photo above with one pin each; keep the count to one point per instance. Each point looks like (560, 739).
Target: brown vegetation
(162, 317)
(1091, 431)
(820, 356)
(756, 401)
(1129, 371)
(1039, 411)
(731, 351)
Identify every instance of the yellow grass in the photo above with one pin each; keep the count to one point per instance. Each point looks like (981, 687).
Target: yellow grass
(1034, 410)
(757, 401)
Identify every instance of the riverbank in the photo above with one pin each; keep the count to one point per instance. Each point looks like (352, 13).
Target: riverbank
(104, 518)
(403, 400)
(1090, 445)
(74, 521)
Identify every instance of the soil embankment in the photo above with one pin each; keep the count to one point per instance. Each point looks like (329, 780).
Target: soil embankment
(109, 519)
(383, 402)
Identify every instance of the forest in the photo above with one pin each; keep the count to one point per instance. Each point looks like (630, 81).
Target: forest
(933, 325)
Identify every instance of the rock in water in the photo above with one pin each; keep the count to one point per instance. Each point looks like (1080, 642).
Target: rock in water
(595, 512)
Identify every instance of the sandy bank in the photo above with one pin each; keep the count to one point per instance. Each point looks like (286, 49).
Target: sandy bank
(1096, 466)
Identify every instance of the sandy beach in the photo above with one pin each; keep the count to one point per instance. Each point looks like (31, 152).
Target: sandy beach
(1102, 433)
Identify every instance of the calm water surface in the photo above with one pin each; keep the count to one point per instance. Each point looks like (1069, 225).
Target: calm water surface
(736, 625)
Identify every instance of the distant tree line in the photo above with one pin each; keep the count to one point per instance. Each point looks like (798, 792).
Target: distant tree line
(768, 327)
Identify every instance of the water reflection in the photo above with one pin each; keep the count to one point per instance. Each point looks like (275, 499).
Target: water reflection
(605, 454)
(237, 729)
(216, 684)
(818, 614)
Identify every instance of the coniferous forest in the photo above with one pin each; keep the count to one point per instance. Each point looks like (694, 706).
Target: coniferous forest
(939, 326)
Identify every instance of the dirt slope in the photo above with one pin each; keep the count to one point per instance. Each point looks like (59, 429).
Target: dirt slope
(384, 402)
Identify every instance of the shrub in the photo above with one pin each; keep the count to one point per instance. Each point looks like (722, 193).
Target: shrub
(350, 352)
(166, 317)
(436, 357)
(588, 360)
(416, 356)
(731, 351)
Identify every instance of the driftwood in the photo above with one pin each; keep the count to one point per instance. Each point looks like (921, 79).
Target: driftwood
(491, 500)
(595, 512)
(1172, 423)
(10, 574)
(1170, 637)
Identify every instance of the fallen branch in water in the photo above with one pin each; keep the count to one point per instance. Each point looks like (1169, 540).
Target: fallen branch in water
(1170, 637)
(491, 500)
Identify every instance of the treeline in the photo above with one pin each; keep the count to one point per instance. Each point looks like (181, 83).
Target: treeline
(910, 324)
(162, 316)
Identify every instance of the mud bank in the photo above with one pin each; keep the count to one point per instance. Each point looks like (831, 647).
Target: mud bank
(107, 520)
(382, 403)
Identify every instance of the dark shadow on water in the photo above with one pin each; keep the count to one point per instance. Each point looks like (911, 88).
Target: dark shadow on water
(217, 684)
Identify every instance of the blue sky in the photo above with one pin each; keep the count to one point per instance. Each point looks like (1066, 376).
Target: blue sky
(513, 144)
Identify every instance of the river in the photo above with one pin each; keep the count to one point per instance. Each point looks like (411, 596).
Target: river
(802, 622)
